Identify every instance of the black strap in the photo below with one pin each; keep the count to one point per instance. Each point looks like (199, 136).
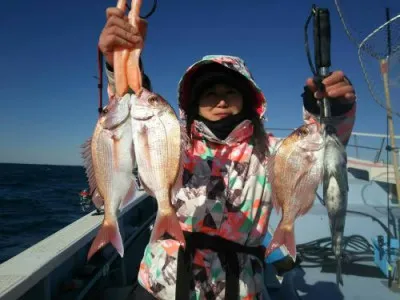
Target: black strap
(224, 248)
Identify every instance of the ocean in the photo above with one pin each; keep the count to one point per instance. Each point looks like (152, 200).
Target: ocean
(35, 202)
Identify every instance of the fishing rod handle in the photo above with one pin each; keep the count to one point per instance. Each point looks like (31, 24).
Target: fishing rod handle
(322, 40)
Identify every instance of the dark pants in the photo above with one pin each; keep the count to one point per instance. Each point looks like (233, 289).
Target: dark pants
(140, 293)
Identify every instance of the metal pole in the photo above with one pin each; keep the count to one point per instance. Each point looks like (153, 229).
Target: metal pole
(385, 72)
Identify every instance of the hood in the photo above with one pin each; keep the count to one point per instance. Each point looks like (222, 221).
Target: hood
(232, 63)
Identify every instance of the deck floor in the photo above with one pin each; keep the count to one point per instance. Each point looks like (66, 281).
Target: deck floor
(362, 280)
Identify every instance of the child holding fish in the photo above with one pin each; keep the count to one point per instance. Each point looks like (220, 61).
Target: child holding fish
(228, 182)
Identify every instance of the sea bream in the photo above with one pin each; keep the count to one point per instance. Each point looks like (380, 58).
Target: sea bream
(294, 171)
(109, 154)
(156, 138)
(109, 159)
(157, 142)
(335, 190)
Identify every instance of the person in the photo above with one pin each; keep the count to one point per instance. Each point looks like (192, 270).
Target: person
(224, 203)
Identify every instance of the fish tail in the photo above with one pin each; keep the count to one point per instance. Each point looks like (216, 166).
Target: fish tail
(339, 278)
(168, 223)
(108, 233)
(284, 235)
(337, 251)
(129, 195)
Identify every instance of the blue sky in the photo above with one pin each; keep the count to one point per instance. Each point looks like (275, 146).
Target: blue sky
(48, 58)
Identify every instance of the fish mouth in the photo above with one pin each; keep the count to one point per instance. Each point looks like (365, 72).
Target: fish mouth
(144, 110)
(141, 114)
(330, 129)
(312, 146)
(142, 118)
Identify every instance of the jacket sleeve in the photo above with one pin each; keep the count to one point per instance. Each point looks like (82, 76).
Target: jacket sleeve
(343, 114)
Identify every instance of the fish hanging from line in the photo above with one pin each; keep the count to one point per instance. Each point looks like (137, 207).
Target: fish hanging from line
(335, 192)
(294, 171)
(109, 160)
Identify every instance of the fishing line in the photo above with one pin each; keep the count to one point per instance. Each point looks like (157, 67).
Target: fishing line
(306, 43)
(153, 9)
(100, 78)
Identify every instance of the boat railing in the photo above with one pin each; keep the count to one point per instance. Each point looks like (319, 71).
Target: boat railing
(374, 144)
(37, 272)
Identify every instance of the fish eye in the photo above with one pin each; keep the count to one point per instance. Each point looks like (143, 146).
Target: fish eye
(302, 131)
(153, 100)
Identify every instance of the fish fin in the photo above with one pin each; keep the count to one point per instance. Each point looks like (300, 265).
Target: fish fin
(283, 236)
(108, 233)
(269, 166)
(142, 139)
(110, 92)
(339, 278)
(168, 223)
(97, 199)
(88, 164)
(178, 182)
(305, 188)
(129, 195)
(300, 179)
(342, 181)
(146, 188)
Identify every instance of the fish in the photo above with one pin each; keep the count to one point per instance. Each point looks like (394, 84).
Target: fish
(294, 172)
(335, 192)
(109, 159)
(157, 143)
(156, 135)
